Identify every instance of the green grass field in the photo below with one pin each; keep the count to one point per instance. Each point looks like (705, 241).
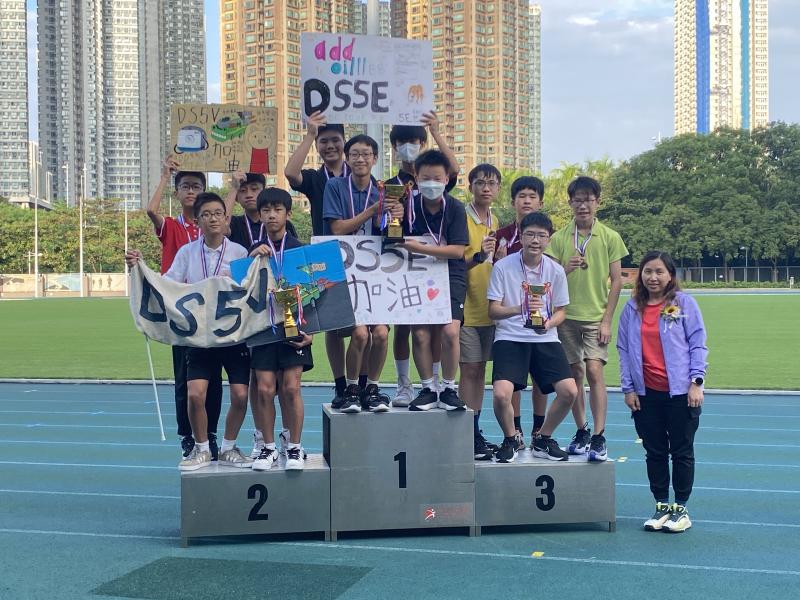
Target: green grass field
(750, 342)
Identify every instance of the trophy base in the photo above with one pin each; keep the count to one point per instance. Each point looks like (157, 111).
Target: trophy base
(537, 325)
(392, 238)
(291, 334)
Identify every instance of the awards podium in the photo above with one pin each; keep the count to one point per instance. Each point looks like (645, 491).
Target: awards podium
(390, 471)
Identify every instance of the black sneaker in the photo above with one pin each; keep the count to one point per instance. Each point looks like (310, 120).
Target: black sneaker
(597, 449)
(490, 445)
(425, 400)
(352, 399)
(449, 400)
(507, 452)
(520, 440)
(580, 441)
(482, 449)
(547, 447)
(212, 446)
(187, 445)
(338, 400)
(374, 400)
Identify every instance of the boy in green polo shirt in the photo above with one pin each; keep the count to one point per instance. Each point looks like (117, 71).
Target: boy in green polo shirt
(590, 253)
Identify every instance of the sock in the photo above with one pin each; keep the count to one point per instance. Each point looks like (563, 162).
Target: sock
(427, 383)
(436, 367)
(270, 446)
(475, 419)
(202, 447)
(538, 421)
(258, 435)
(293, 445)
(681, 502)
(372, 382)
(518, 423)
(449, 383)
(402, 367)
(362, 381)
(351, 382)
(340, 383)
(227, 445)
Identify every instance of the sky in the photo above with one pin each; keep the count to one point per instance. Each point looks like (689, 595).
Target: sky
(606, 74)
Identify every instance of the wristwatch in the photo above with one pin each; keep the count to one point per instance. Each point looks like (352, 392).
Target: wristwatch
(478, 258)
(697, 380)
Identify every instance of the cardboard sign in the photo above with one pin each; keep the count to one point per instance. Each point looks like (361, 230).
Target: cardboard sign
(225, 137)
(393, 287)
(366, 78)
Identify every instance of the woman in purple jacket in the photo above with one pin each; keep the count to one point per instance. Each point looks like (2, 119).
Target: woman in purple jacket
(662, 355)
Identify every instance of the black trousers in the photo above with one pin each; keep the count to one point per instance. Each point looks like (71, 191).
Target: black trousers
(213, 397)
(667, 426)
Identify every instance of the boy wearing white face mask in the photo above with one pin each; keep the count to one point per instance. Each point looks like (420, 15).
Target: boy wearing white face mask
(445, 220)
(408, 141)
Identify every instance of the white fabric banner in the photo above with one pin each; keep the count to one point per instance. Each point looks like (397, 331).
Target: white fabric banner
(213, 313)
(393, 287)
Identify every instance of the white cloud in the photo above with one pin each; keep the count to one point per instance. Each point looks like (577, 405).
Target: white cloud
(582, 21)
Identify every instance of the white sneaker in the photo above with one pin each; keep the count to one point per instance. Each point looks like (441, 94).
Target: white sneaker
(404, 395)
(294, 459)
(661, 516)
(265, 460)
(258, 444)
(235, 458)
(283, 441)
(678, 521)
(195, 460)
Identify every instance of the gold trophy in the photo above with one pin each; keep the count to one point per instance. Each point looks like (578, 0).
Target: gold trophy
(393, 233)
(535, 320)
(287, 298)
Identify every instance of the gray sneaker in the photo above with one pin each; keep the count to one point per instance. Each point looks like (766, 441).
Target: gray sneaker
(195, 460)
(404, 395)
(235, 458)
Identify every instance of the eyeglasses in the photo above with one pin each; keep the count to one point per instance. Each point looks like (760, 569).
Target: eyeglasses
(483, 183)
(360, 155)
(531, 235)
(190, 187)
(217, 214)
(579, 201)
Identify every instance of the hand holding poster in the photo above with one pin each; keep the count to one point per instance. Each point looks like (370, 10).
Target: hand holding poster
(224, 137)
(366, 79)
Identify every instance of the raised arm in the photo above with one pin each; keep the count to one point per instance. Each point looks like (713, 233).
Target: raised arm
(169, 167)
(431, 121)
(294, 166)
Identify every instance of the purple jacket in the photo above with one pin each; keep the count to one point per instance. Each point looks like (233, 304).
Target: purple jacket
(683, 342)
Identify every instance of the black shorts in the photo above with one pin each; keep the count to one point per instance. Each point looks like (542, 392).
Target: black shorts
(545, 362)
(280, 356)
(458, 294)
(205, 363)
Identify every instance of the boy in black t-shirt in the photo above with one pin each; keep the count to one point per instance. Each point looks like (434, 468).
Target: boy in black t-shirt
(287, 360)
(445, 220)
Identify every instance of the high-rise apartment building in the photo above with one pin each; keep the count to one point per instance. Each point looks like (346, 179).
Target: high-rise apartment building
(482, 76)
(13, 100)
(172, 70)
(108, 71)
(535, 89)
(721, 65)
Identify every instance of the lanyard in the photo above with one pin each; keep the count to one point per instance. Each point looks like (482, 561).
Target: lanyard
(219, 262)
(250, 231)
(581, 248)
(489, 221)
(187, 227)
(350, 189)
(328, 175)
(513, 238)
(412, 192)
(437, 240)
(278, 262)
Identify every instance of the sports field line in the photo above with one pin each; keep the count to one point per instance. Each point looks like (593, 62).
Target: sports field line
(455, 553)
(61, 426)
(93, 494)
(718, 489)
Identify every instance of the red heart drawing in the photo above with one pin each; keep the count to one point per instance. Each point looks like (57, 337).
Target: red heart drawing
(432, 293)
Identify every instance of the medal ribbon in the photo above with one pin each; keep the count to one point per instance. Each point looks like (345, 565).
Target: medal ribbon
(581, 248)
(489, 221)
(437, 240)
(299, 297)
(328, 174)
(250, 231)
(350, 189)
(219, 262)
(186, 228)
(275, 256)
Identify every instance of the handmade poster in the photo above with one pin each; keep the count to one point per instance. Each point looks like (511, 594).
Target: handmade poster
(393, 286)
(366, 78)
(317, 273)
(225, 137)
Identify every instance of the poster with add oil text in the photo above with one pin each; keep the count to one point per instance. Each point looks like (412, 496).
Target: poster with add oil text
(366, 78)
(224, 138)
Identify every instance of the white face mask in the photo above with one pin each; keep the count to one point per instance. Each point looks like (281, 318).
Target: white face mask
(408, 152)
(432, 190)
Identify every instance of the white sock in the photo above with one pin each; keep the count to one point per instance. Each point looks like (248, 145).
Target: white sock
(352, 381)
(270, 446)
(258, 436)
(427, 383)
(436, 367)
(227, 445)
(203, 447)
(449, 383)
(371, 382)
(293, 445)
(402, 367)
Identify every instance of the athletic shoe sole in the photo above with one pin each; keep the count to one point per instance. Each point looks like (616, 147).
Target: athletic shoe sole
(428, 406)
(668, 530)
(548, 456)
(653, 527)
(351, 410)
(597, 457)
(264, 467)
(444, 406)
(483, 456)
(508, 460)
(577, 450)
(379, 408)
(194, 467)
(238, 465)
(294, 465)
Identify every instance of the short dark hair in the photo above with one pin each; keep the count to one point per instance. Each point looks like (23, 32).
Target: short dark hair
(332, 127)
(206, 198)
(432, 158)
(536, 219)
(584, 183)
(361, 138)
(254, 178)
(274, 196)
(181, 174)
(486, 169)
(527, 182)
(402, 134)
